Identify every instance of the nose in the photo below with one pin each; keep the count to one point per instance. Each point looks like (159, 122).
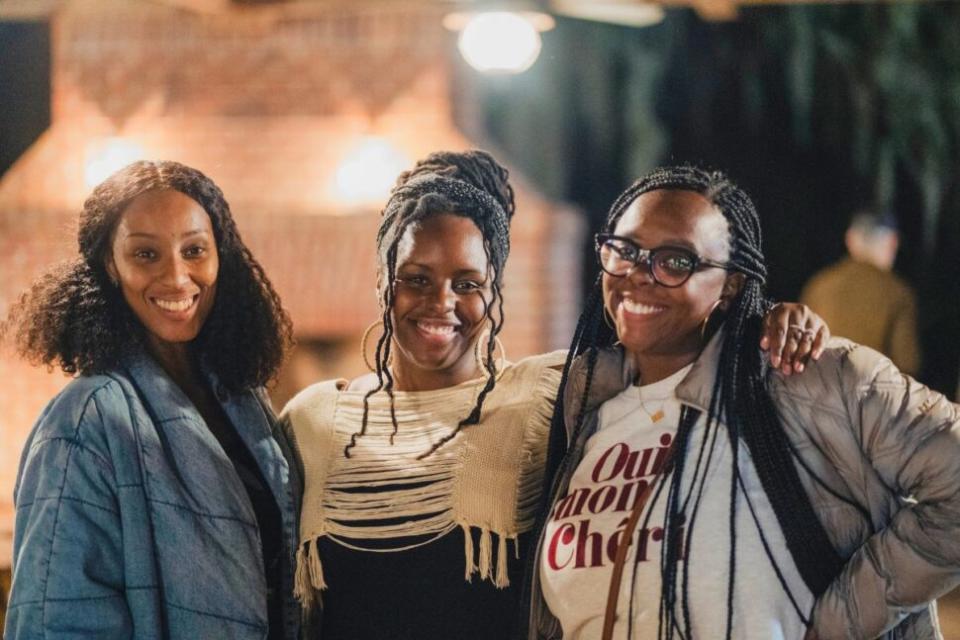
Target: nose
(176, 272)
(442, 299)
(640, 273)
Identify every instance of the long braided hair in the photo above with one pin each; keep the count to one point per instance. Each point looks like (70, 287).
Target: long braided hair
(470, 184)
(740, 398)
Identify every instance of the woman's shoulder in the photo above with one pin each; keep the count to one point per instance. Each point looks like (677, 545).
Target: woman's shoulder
(843, 355)
(549, 364)
(83, 411)
(844, 369)
(103, 390)
(552, 359)
(309, 399)
(532, 381)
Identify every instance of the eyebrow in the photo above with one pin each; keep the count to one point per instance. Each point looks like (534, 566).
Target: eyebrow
(669, 242)
(187, 234)
(426, 267)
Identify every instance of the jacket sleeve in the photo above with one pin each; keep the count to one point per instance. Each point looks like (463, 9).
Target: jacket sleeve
(911, 437)
(68, 578)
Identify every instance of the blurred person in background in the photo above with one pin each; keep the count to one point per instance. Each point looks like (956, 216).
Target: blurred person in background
(862, 299)
(423, 477)
(702, 494)
(155, 498)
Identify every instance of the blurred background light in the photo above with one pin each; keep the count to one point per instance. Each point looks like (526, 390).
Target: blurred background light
(107, 156)
(500, 42)
(620, 12)
(368, 171)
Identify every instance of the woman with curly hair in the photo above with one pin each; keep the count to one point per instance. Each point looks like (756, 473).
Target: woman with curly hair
(423, 477)
(155, 498)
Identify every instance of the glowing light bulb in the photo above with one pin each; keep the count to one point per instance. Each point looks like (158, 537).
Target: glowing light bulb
(500, 42)
(368, 171)
(106, 157)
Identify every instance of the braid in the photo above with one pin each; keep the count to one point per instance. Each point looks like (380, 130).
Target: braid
(469, 184)
(740, 397)
(475, 167)
(382, 353)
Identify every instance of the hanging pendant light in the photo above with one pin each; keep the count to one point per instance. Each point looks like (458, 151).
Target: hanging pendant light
(498, 38)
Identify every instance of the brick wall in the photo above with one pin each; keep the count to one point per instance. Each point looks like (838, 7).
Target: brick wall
(265, 100)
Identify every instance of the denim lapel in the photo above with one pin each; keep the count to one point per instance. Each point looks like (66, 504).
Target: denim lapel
(255, 426)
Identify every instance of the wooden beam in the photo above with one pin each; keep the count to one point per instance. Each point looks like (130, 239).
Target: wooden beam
(30, 10)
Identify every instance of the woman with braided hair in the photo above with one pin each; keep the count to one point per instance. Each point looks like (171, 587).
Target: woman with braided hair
(699, 493)
(422, 478)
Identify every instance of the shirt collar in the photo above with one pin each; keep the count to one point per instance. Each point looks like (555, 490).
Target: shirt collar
(614, 372)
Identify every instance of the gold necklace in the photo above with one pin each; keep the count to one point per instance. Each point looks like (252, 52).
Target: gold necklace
(657, 415)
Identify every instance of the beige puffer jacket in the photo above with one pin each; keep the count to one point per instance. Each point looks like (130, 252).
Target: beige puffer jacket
(885, 443)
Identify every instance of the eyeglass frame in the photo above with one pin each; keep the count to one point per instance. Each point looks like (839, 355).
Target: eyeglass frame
(648, 255)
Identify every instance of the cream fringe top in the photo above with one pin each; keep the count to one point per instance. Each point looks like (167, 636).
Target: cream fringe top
(488, 478)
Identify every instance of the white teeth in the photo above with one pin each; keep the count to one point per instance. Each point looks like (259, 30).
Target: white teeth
(637, 307)
(436, 329)
(174, 305)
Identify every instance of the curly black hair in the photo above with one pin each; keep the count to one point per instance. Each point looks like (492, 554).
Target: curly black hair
(75, 318)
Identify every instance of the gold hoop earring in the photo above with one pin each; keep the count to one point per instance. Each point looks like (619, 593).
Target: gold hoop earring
(706, 321)
(363, 345)
(608, 320)
(500, 365)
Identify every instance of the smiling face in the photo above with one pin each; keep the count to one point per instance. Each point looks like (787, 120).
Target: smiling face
(659, 326)
(164, 258)
(441, 291)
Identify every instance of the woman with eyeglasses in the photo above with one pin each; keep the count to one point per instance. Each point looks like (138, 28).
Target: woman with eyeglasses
(423, 478)
(701, 494)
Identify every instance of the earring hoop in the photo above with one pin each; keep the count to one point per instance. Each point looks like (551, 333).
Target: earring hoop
(363, 345)
(608, 320)
(706, 321)
(501, 362)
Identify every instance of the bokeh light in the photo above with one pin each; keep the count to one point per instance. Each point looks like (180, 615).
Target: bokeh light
(368, 171)
(500, 42)
(106, 156)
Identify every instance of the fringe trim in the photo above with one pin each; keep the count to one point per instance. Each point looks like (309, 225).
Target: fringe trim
(468, 552)
(501, 577)
(486, 552)
(497, 573)
(308, 580)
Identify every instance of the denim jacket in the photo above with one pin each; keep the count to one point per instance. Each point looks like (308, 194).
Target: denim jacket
(132, 522)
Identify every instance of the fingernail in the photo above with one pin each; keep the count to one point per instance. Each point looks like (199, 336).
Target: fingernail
(799, 368)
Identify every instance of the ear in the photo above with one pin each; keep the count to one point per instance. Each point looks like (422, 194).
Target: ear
(731, 289)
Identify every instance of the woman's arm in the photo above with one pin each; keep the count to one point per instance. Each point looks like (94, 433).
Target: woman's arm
(911, 437)
(68, 578)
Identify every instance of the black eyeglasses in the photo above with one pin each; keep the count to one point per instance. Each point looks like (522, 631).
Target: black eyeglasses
(668, 266)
